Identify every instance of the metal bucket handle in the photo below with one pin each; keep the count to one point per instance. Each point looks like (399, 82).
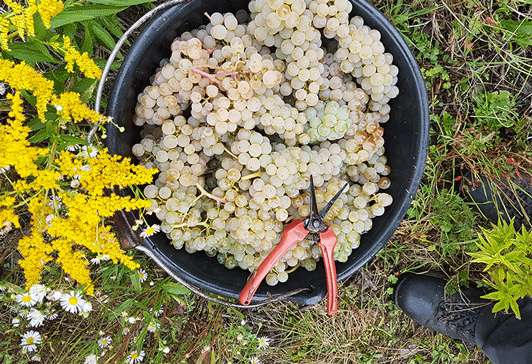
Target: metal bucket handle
(139, 246)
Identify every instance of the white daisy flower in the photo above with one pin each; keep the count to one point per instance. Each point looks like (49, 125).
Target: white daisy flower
(103, 298)
(254, 360)
(131, 320)
(264, 342)
(5, 169)
(50, 314)
(49, 219)
(104, 342)
(38, 291)
(26, 299)
(87, 306)
(36, 318)
(23, 313)
(72, 148)
(135, 357)
(99, 258)
(55, 202)
(30, 340)
(91, 359)
(142, 275)
(35, 358)
(125, 331)
(166, 350)
(72, 302)
(153, 326)
(150, 231)
(89, 151)
(54, 296)
(15, 322)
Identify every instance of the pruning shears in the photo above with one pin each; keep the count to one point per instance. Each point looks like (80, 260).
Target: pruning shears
(293, 233)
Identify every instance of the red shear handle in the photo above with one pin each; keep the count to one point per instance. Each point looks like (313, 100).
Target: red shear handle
(327, 243)
(293, 233)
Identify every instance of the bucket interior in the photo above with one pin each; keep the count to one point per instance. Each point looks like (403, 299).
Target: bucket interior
(406, 142)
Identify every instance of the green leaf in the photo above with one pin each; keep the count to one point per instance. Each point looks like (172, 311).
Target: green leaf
(136, 281)
(36, 123)
(72, 140)
(70, 31)
(85, 87)
(175, 289)
(31, 53)
(110, 22)
(515, 308)
(103, 35)
(518, 31)
(101, 63)
(87, 41)
(76, 14)
(40, 136)
(125, 306)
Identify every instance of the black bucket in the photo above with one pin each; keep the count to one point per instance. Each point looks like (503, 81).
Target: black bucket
(406, 135)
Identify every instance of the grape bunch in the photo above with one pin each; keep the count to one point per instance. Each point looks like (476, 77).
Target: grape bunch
(246, 109)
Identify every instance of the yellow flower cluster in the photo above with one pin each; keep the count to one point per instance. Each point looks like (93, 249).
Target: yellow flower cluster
(22, 77)
(22, 19)
(16, 107)
(48, 9)
(16, 150)
(7, 214)
(73, 109)
(108, 171)
(34, 249)
(4, 29)
(72, 56)
(88, 208)
(83, 224)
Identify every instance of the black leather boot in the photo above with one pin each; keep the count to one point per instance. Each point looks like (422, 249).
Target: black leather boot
(422, 298)
(501, 198)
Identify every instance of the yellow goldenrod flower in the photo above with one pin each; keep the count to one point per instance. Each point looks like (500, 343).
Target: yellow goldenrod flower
(72, 56)
(18, 21)
(36, 253)
(4, 29)
(8, 214)
(107, 171)
(48, 9)
(16, 107)
(22, 77)
(72, 108)
(16, 150)
(28, 18)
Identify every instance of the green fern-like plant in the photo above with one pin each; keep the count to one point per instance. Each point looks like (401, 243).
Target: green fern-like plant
(507, 255)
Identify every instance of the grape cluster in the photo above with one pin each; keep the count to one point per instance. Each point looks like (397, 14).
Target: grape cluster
(251, 105)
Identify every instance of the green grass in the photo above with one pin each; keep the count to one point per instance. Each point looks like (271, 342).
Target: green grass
(476, 58)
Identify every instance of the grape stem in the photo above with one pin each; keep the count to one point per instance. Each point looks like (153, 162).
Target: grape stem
(207, 75)
(210, 195)
(253, 175)
(229, 152)
(293, 269)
